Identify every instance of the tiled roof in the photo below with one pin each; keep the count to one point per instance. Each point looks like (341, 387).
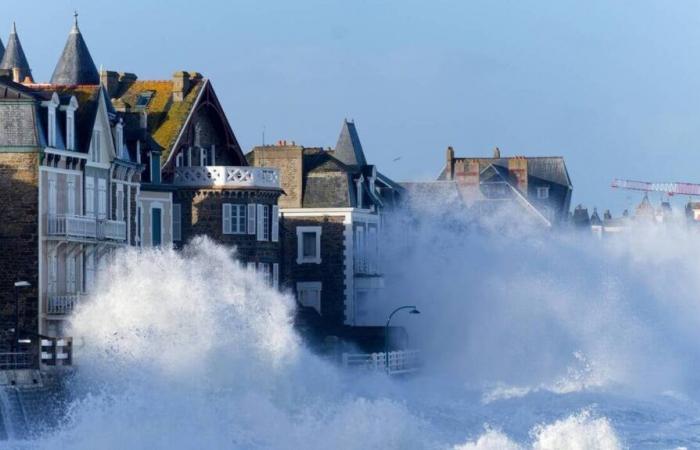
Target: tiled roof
(14, 54)
(166, 117)
(75, 65)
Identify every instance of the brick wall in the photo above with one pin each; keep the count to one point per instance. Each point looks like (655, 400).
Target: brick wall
(19, 240)
(288, 160)
(330, 272)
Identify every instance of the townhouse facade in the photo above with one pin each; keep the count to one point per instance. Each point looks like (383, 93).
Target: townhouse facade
(332, 215)
(67, 167)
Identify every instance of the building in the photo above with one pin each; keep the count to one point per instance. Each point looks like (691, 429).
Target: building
(537, 186)
(198, 181)
(332, 216)
(70, 186)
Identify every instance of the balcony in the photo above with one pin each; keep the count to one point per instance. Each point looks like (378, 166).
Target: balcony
(227, 176)
(71, 226)
(85, 228)
(61, 304)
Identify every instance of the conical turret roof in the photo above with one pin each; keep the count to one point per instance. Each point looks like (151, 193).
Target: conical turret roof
(75, 65)
(348, 149)
(14, 55)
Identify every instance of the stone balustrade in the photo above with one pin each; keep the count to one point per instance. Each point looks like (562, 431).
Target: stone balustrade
(227, 176)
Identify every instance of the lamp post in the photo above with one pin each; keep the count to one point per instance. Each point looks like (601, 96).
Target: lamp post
(414, 310)
(18, 285)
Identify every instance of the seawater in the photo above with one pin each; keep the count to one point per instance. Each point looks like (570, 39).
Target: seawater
(531, 341)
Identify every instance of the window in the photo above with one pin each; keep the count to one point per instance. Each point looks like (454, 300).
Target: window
(95, 146)
(251, 218)
(155, 167)
(120, 202)
(101, 198)
(309, 295)
(360, 254)
(53, 197)
(543, 192)
(308, 245)
(263, 217)
(143, 99)
(52, 126)
(70, 275)
(156, 230)
(178, 160)
(53, 272)
(120, 141)
(275, 275)
(70, 186)
(70, 129)
(264, 270)
(203, 157)
(234, 218)
(89, 271)
(90, 196)
(275, 223)
(177, 222)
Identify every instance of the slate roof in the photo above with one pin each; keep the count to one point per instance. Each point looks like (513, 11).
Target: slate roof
(14, 54)
(547, 168)
(75, 65)
(2, 50)
(166, 118)
(349, 149)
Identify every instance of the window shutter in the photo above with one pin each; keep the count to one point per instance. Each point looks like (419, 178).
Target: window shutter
(275, 275)
(251, 218)
(226, 218)
(261, 218)
(275, 223)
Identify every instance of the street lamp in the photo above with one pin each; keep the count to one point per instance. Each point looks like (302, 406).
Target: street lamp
(18, 285)
(413, 310)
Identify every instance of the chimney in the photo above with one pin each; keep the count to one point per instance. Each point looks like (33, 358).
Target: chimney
(17, 74)
(181, 85)
(110, 81)
(466, 172)
(517, 167)
(496, 153)
(450, 163)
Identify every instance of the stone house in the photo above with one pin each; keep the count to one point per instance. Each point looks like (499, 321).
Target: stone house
(197, 173)
(332, 215)
(69, 187)
(538, 186)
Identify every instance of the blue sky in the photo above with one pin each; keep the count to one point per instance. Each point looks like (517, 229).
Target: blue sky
(611, 85)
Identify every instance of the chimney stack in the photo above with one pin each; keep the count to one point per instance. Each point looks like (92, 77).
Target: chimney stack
(517, 166)
(181, 85)
(450, 163)
(496, 153)
(110, 81)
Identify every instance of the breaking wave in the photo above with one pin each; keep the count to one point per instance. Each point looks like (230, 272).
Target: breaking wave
(548, 341)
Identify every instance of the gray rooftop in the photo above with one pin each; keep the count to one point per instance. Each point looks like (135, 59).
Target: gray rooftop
(2, 50)
(14, 55)
(75, 65)
(348, 150)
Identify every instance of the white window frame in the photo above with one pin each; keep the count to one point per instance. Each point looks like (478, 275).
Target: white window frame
(310, 286)
(275, 223)
(300, 245)
(542, 192)
(96, 145)
(71, 280)
(90, 196)
(264, 269)
(52, 282)
(90, 269)
(52, 126)
(179, 160)
(70, 129)
(231, 214)
(102, 198)
(120, 202)
(177, 222)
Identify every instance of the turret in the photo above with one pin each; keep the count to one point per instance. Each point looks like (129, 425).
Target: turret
(75, 65)
(14, 59)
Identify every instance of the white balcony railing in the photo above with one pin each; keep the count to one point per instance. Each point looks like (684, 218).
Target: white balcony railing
(61, 304)
(112, 229)
(71, 225)
(230, 176)
(399, 362)
(85, 227)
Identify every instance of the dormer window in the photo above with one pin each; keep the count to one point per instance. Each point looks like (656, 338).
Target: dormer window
(143, 99)
(95, 145)
(358, 184)
(120, 140)
(52, 126)
(542, 192)
(70, 122)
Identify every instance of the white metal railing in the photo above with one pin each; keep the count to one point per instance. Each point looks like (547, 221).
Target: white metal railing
(71, 225)
(400, 361)
(112, 229)
(234, 176)
(61, 304)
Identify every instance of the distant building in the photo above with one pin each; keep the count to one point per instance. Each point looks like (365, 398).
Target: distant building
(332, 216)
(538, 186)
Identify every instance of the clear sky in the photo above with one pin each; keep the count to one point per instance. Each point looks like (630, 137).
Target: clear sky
(611, 85)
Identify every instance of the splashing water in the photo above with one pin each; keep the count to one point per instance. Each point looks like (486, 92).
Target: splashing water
(556, 341)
